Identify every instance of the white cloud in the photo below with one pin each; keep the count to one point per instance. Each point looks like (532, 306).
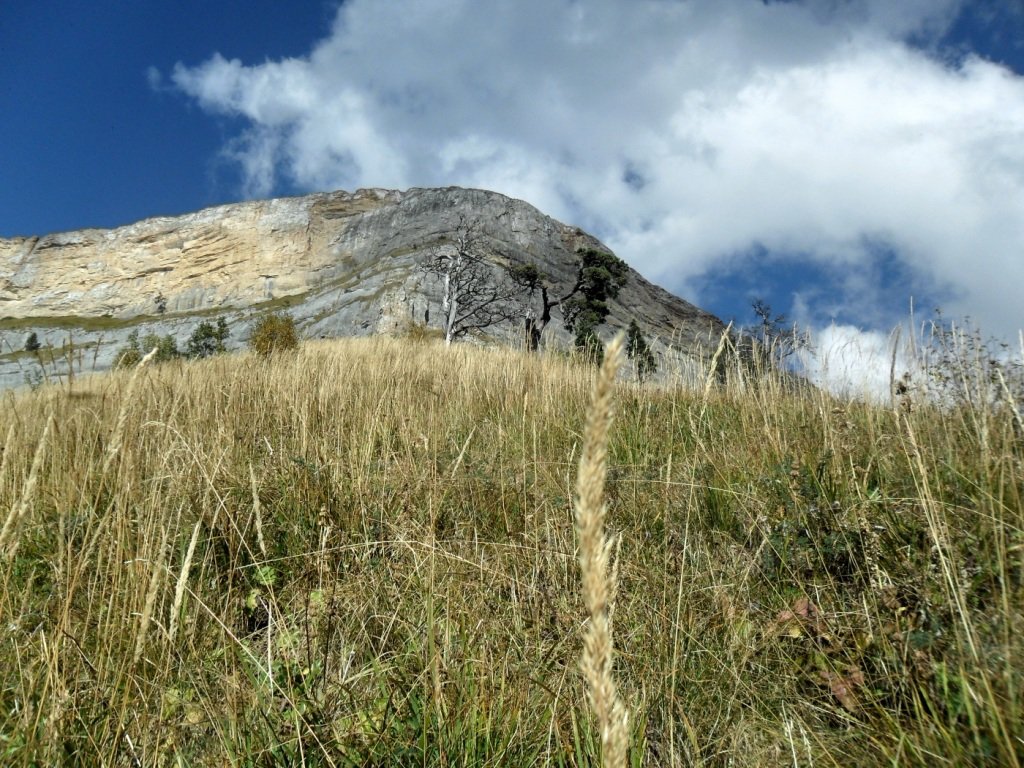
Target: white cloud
(856, 363)
(681, 133)
(154, 78)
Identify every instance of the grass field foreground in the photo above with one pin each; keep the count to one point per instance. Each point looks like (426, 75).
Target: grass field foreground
(364, 553)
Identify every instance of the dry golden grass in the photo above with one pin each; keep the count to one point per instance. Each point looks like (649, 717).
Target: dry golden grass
(365, 554)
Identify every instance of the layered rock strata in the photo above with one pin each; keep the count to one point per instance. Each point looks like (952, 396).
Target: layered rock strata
(341, 263)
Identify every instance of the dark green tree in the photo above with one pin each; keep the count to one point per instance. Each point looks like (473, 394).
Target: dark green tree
(166, 347)
(207, 339)
(130, 354)
(599, 276)
(639, 352)
(134, 350)
(32, 342)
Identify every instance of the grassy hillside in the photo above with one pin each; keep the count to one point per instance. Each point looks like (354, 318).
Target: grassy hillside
(364, 554)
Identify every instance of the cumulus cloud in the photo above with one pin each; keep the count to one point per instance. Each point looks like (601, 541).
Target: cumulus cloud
(691, 136)
(856, 363)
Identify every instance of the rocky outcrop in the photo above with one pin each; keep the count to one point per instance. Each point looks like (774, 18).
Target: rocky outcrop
(342, 263)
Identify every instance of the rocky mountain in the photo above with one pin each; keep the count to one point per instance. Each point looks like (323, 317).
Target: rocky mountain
(341, 263)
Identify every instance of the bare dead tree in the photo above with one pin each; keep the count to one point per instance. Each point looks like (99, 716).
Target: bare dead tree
(476, 294)
(775, 340)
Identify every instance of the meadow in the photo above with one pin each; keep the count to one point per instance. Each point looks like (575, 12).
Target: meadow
(364, 553)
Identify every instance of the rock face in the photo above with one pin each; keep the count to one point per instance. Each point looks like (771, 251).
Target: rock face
(341, 263)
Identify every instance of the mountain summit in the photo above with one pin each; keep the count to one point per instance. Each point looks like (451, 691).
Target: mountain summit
(341, 263)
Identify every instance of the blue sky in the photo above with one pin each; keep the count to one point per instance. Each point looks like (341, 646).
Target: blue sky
(833, 157)
(84, 138)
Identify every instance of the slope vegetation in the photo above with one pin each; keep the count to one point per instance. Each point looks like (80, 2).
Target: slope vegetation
(364, 554)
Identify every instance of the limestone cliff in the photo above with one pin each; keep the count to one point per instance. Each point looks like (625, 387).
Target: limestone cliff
(342, 263)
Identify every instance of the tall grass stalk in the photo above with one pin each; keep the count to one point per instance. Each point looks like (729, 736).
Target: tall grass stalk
(17, 513)
(595, 549)
(114, 447)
